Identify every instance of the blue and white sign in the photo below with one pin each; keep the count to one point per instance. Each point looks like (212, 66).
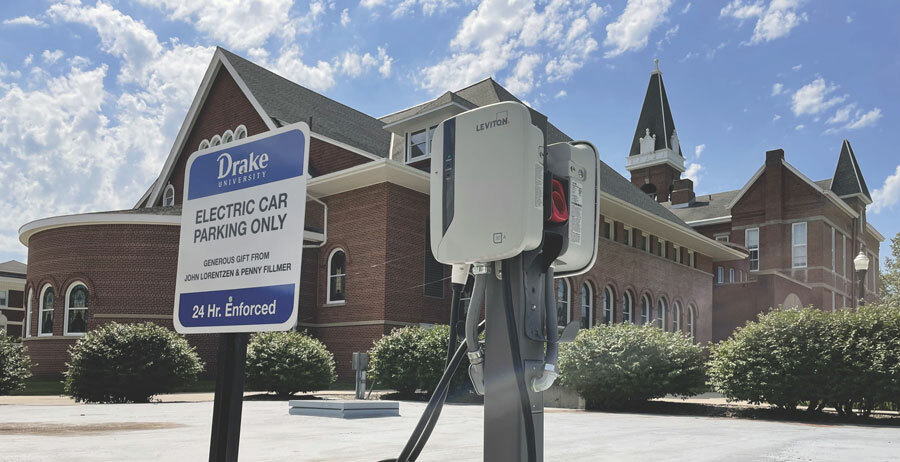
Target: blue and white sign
(242, 234)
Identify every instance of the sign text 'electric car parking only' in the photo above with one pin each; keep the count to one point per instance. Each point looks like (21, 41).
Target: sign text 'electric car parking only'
(242, 234)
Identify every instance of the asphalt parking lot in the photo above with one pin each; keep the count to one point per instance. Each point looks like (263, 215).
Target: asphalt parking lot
(180, 432)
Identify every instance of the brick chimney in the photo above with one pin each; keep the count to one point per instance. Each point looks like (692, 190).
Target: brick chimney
(682, 193)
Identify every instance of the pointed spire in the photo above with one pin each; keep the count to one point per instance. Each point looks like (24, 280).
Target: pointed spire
(656, 116)
(848, 179)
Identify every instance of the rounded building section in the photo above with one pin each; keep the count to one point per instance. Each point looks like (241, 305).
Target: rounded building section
(91, 269)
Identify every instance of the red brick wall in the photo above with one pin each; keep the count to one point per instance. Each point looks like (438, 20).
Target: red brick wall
(327, 158)
(662, 176)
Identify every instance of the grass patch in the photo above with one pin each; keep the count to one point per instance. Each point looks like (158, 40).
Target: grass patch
(40, 387)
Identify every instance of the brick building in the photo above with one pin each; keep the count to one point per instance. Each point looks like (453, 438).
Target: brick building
(366, 267)
(12, 297)
(800, 236)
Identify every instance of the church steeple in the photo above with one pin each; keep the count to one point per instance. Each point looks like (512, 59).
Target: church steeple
(848, 180)
(655, 160)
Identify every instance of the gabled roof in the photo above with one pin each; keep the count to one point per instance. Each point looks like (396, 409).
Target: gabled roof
(13, 267)
(482, 93)
(288, 102)
(655, 116)
(706, 208)
(848, 179)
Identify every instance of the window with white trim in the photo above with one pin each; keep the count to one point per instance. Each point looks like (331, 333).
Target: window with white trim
(203, 145)
(240, 132)
(798, 246)
(627, 239)
(563, 296)
(721, 275)
(722, 237)
(833, 269)
(76, 309)
(607, 228)
(662, 313)
(28, 312)
(418, 144)
(740, 275)
(608, 300)
(227, 137)
(587, 306)
(628, 307)
(751, 241)
(168, 199)
(833, 300)
(676, 317)
(215, 141)
(337, 277)
(645, 310)
(677, 250)
(731, 275)
(4, 298)
(45, 317)
(691, 321)
(844, 258)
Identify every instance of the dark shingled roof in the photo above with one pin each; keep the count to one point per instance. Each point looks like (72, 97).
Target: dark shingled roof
(655, 115)
(617, 186)
(478, 94)
(288, 103)
(705, 207)
(848, 178)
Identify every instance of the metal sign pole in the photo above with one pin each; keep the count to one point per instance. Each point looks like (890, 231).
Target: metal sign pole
(226, 424)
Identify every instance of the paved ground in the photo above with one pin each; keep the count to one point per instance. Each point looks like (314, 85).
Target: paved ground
(180, 432)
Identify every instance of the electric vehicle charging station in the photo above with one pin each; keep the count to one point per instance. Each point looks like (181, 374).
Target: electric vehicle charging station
(520, 213)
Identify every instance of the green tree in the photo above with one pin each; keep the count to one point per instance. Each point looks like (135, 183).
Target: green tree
(890, 275)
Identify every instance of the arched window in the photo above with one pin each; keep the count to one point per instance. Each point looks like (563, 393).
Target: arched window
(215, 141)
(662, 313)
(28, 305)
(563, 295)
(76, 309)
(691, 321)
(740, 275)
(627, 307)
(645, 310)
(337, 276)
(227, 137)
(587, 306)
(45, 318)
(203, 145)
(676, 317)
(169, 196)
(608, 300)
(731, 275)
(240, 132)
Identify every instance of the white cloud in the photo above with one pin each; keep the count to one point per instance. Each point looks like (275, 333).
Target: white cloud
(51, 57)
(888, 195)
(775, 117)
(698, 150)
(686, 8)
(866, 119)
(354, 64)
(777, 89)
(773, 21)
(522, 79)
(242, 25)
(25, 21)
(799, 127)
(498, 33)
(385, 68)
(371, 3)
(289, 64)
(841, 115)
(631, 30)
(405, 7)
(560, 94)
(669, 35)
(849, 19)
(694, 172)
(345, 17)
(797, 67)
(815, 97)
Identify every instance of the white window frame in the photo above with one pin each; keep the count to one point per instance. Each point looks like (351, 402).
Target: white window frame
(629, 237)
(567, 302)
(646, 310)
(429, 134)
(608, 305)
(722, 237)
(628, 302)
(216, 140)
(677, 250)
(240, 132)
(72, 287)
(676, 317)
(328, 275)
(227, 137)
(41, 310)
(757, 248)
(691, 257)
(833, 269)
(586, 286)
(4, 303)
(28, 312)
(844, 262)
(720, 273)
(740, 275)
(662, 312)
(692, 322)
(795, 246)
(833, 300)
(203, 145)
(169, 196)
(731, 275)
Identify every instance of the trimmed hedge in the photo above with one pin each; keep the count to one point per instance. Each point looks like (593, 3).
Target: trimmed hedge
(288, 362)
(621, 365)
(15, 365)
(845, 359)
(412, 358)
(120, 363)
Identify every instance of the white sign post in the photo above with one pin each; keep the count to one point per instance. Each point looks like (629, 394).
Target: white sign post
(239, 256)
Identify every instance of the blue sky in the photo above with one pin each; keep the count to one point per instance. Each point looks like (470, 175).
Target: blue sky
(92, 93)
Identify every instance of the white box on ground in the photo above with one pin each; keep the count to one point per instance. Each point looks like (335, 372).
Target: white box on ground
(242, 234)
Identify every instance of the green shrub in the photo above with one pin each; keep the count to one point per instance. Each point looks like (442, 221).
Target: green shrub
(624, 364)
(15, 365)
(783, 359)
(118, 363)
(412, 358)
(864, 369)
(288, 362)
